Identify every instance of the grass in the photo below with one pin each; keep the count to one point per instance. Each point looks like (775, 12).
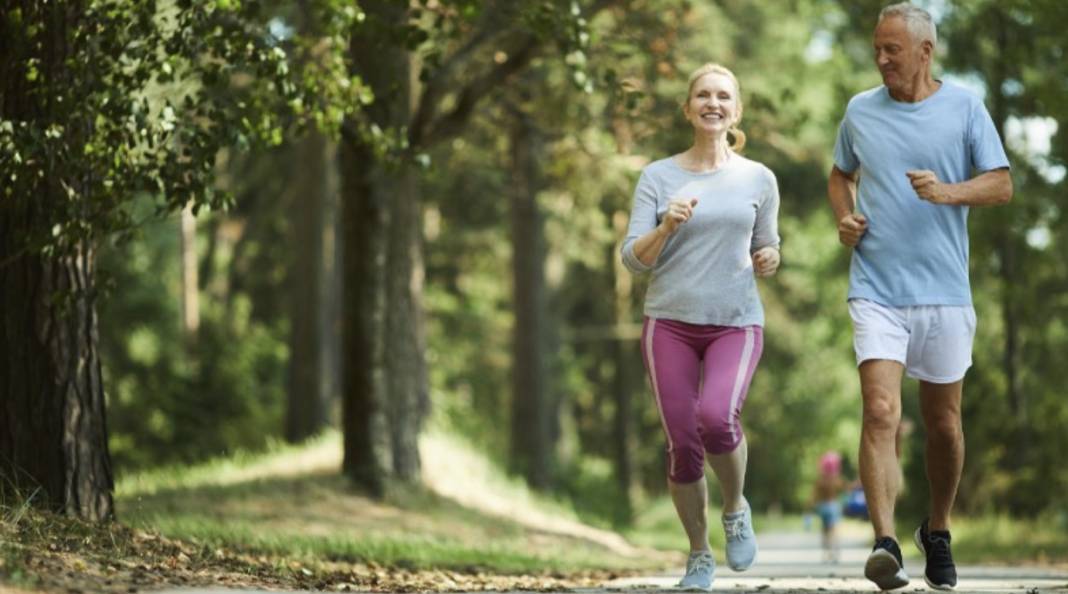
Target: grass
(12, 556)
(291, 503)
(1003, 540)
(286, 519)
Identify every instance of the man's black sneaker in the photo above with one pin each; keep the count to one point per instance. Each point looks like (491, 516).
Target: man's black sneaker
(884, 565)
(940, 572)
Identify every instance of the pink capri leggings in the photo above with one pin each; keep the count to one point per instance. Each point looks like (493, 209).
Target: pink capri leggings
(700, 375)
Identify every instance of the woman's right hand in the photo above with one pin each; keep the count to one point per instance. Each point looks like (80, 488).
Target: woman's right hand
(678, 212)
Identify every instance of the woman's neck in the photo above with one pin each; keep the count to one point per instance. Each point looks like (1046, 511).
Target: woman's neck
(706, 154)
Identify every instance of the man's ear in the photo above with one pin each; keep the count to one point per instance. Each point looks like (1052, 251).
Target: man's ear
(928, 49)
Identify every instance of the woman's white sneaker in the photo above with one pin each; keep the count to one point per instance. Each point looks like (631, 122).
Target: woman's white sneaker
(741, 540)
(700, 570)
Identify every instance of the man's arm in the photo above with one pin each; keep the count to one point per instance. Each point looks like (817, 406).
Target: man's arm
(842, 194)
(986, 189)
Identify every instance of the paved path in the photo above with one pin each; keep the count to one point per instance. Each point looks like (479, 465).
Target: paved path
(792, 564)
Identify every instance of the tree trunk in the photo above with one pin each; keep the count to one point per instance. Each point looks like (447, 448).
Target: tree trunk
(366, 460)
(53, 434)
(190, 282)
(1007, 246)
(306, 412)
(368, 205)
(330, 301)
(404, 341)
(532, 454)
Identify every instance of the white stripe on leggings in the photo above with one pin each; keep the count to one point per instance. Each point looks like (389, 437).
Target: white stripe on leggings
(739, 381)
(656, 391)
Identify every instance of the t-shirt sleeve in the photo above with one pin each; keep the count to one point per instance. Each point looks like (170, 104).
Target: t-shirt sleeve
(766, 225)
(643, 219)
(845, 159)
(984, 144)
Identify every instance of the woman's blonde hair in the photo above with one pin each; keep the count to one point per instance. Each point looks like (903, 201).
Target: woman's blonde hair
(738, 137)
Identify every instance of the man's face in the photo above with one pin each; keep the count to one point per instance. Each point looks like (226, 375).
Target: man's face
(899, 57)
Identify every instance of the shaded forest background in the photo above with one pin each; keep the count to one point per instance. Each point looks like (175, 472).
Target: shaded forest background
(427, 232)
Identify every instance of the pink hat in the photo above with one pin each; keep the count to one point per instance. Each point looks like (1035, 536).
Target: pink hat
(830, 464)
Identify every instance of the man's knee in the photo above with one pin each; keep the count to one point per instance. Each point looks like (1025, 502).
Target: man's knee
(945, 426)
(882, 408)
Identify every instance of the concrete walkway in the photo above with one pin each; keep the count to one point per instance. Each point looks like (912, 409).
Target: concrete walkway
(791, 563)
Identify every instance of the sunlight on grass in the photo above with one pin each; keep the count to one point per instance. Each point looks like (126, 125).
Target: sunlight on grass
(293, 502)
(411, 550)
(280, 459)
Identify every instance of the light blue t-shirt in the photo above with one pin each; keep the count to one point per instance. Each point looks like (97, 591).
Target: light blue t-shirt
(914, 252)
(704, 274)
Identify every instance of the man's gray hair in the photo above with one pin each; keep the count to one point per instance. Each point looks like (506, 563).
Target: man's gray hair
(917, 20)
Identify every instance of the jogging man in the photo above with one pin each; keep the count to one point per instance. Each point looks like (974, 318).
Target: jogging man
(911, 157)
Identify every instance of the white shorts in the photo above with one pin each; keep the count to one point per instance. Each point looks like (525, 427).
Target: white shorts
(933, 342)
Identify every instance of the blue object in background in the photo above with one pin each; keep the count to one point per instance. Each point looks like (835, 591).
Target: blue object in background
(854, 504)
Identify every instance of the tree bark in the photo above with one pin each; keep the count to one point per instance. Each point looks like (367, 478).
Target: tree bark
(532, 451)
(366, 218)
(405, 342)
(366, 456)
(306, 411)
(53, 432)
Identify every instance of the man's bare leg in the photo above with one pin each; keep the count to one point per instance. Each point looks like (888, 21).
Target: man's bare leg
(944, 452)
(880, 382)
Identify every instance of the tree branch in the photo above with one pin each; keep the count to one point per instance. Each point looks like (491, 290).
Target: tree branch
(428, 128)
(434, 88)
(452, 123)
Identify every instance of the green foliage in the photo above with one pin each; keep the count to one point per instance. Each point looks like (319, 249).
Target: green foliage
(1004, 539)
(172, 399)
(145, 96)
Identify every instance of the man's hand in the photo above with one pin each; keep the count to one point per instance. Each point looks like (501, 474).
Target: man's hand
(766, 261)
(678, 212)
(851, 228)
(928, 186)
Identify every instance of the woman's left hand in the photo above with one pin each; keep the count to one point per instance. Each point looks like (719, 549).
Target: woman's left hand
(766, 261)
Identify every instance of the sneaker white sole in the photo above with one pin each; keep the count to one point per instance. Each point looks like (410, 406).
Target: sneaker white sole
(883, 569)
(930, 584)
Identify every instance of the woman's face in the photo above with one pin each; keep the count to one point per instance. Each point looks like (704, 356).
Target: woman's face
(713, 104)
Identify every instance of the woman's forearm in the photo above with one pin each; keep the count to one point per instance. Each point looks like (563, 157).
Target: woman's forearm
(647, 248)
